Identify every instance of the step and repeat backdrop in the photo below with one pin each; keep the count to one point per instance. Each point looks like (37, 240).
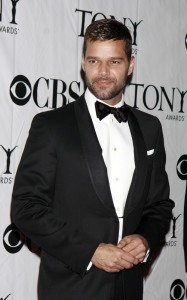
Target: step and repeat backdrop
(40, 55)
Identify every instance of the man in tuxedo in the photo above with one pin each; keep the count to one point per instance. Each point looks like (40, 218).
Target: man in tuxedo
(91, 188)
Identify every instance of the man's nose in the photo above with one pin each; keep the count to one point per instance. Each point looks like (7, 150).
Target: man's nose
(104, 68)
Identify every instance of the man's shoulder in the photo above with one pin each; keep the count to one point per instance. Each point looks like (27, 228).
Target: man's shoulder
(149, 124)
(59, 116)
(65, 111)
(57, 112)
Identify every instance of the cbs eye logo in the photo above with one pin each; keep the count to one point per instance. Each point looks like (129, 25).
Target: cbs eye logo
(20, 90)
(182, 167)
(178, 290)
(13, 240)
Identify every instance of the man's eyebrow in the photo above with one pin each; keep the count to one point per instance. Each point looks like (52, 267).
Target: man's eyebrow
(109, 58)
(92, 57)
(116, 58)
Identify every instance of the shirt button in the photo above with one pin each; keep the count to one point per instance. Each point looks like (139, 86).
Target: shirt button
(115, 149)
(117, 179)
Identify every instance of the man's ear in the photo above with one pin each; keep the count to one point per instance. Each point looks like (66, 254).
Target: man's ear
(131, 65)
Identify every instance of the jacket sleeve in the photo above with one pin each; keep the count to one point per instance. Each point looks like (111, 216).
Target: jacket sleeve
(32, 202)
(157, 212)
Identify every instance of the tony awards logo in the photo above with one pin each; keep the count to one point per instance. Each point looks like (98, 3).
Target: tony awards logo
(6, 178)
(14, 4)
(10, 7)
(8, 154)
(174, 219)
(173, 241)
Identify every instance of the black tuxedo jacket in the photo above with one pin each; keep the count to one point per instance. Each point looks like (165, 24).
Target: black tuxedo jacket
(62, 201)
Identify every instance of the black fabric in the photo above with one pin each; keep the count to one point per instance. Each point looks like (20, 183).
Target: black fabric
(62, 201)
(102, 110)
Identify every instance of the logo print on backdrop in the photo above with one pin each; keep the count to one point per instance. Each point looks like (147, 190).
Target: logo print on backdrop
(85, 20)
(182, 167)
(20, 90)
(182, 173)
(14, 3)
(8, 154)
(173, 242)
(155, 97)
(56, 92)
(135, 26)
(13, 240)
(5, 298)
(46, 92)
(177, 290)
(174, 219)
(8, 29)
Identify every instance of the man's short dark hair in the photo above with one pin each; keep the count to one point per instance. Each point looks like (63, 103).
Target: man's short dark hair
(108, 29)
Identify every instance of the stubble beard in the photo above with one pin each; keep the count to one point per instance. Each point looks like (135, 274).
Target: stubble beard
(104, 93)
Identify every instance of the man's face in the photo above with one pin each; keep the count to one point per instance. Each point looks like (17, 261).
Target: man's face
(106, 69)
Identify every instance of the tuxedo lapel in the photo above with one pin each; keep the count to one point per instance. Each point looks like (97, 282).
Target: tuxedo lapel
(93, 155)
(140, 154)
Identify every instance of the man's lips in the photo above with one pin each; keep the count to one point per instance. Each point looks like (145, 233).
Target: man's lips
(103, 82)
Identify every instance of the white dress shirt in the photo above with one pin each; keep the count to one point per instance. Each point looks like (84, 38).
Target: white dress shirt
(118, 154)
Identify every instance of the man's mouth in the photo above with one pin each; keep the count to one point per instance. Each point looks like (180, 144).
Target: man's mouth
(103, 82)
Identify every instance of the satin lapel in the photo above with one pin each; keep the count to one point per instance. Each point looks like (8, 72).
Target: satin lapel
(140, 153)
(93, 154)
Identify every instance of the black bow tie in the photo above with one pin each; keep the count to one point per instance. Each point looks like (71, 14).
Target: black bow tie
(103, 110)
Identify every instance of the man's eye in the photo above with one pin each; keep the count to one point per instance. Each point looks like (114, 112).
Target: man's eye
(115, 62)
(92, 61)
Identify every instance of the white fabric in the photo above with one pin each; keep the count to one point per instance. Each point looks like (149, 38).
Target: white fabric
(118, 154)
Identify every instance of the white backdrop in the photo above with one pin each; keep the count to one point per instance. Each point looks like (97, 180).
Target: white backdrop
(40, 53)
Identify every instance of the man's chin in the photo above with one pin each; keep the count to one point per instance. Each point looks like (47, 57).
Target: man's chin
(102, 94)
(102, 97)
